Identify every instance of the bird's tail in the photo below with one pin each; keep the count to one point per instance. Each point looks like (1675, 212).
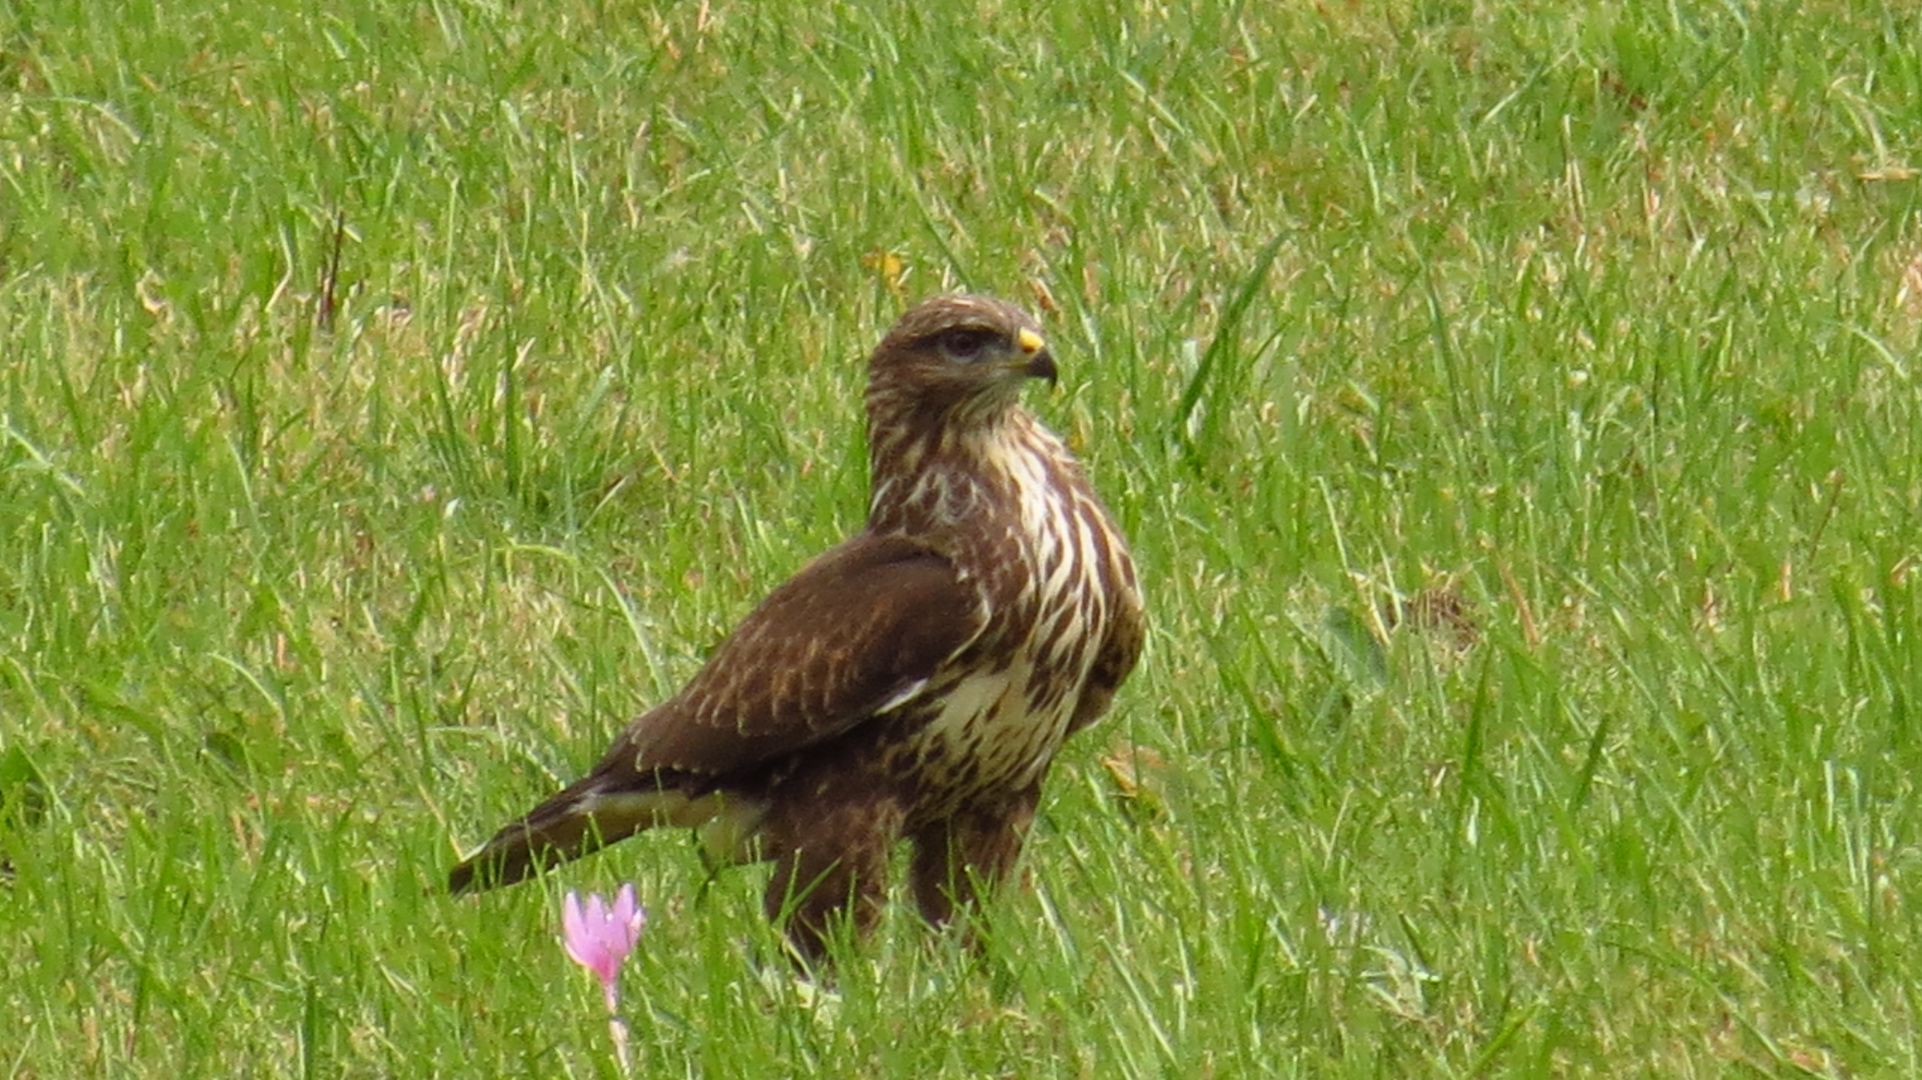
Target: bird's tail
(591, 813)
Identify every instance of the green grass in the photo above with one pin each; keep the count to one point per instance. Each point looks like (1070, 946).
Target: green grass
(1515, 410)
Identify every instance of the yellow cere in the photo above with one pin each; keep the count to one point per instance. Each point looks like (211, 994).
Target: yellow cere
(1029, 341)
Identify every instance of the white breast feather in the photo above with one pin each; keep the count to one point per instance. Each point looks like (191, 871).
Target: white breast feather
(990, 714)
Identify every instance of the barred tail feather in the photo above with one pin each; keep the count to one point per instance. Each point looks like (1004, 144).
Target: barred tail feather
(585, 817)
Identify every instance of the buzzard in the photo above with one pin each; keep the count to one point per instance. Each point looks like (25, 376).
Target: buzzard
(913, 682)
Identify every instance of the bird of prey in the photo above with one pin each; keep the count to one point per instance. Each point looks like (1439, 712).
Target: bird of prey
(912, 683)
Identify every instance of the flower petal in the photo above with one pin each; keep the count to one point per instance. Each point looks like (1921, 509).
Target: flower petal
(574, 933)
(631, 916)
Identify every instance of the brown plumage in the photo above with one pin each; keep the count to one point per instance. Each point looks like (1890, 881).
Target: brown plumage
(914, 682)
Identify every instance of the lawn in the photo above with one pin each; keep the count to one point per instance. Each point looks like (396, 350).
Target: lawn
(1516, 411)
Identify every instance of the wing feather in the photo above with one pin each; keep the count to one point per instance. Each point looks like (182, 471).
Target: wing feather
(857, 632)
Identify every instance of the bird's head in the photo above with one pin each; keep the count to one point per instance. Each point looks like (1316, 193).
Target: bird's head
(959, 360)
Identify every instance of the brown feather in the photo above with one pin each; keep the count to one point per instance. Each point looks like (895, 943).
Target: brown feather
(861, 627)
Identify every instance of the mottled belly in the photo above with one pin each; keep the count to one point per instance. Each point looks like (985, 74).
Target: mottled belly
(986, 737)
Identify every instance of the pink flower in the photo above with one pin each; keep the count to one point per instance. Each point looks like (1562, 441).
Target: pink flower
(599, 937)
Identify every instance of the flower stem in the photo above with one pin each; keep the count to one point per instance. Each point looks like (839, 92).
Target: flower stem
(617, 1030)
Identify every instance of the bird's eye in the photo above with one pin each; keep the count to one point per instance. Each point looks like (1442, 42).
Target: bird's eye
(967, 344)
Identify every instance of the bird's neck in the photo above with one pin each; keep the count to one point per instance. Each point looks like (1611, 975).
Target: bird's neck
(931, 477)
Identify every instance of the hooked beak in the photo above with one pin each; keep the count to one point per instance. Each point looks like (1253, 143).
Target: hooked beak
(1035, 360)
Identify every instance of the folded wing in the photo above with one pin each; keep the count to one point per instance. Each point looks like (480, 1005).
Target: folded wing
(853, 636)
